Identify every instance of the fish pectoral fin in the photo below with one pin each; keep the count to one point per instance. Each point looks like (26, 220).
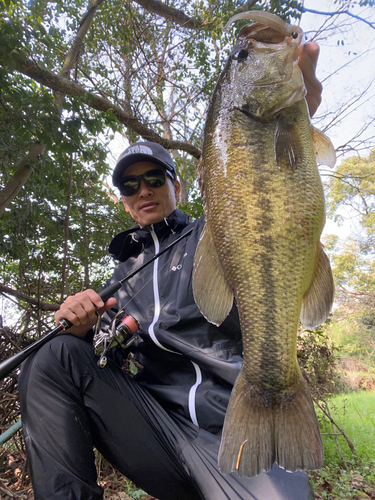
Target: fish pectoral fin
(212, 292)
(317, 301)
(324, 150)
(256, 434)
(288, 144)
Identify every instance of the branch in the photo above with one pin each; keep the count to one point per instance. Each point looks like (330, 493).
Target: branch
(44, 306)
(170, 14)
(356, 294)
(342, 432)
(58, 84)
(179, 17)
(21, 176)
(328, 415)
(78, 41)
(347, 12)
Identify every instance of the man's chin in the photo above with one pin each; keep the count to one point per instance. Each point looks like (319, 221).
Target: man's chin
(151, 219)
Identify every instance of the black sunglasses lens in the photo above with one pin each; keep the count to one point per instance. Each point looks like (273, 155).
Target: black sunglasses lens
(129, 186)
(154, 178)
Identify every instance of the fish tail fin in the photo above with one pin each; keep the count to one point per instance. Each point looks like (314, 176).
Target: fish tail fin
(257, 435)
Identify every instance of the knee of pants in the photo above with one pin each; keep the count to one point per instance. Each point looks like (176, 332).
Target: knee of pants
(64, 352)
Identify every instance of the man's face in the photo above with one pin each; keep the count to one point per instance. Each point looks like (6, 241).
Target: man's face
(150, 205)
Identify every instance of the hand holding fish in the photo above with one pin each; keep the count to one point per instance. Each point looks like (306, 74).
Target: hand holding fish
(308, 60)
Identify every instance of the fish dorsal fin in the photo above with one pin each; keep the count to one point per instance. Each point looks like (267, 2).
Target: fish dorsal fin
(318, 300)
(324, 150)
(287, 144)
(212, 292)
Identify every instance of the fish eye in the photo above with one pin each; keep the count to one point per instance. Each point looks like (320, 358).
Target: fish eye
(240, 55)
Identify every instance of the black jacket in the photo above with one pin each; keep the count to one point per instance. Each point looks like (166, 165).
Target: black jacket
(189, 365)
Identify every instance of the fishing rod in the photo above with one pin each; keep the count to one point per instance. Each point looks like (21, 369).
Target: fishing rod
(7, 366)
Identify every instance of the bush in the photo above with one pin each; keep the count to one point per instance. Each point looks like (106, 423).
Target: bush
(318, 359)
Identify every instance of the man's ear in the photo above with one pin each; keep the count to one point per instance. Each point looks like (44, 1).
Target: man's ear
(177, 188)
(124, 203)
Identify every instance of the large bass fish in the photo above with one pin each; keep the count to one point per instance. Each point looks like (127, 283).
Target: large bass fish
(264, 209)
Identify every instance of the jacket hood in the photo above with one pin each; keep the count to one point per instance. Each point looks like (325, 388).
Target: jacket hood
(131, 242)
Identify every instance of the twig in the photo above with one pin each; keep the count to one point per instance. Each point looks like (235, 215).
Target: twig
(327, 414)
(9, 493)
(347, 12)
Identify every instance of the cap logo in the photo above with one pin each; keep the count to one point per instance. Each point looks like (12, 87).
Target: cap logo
(137, 150)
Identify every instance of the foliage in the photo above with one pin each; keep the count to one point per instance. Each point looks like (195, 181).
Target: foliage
(335, 482)
(318, 358)
(353, 331)
(353, 185)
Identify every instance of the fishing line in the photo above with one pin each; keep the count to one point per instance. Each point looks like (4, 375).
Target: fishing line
(161, 268)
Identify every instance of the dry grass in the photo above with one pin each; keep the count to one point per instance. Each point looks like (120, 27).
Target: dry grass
(357, 375)
(15, 481)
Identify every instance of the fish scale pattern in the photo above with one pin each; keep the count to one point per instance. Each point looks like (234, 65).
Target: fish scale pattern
(266, 226)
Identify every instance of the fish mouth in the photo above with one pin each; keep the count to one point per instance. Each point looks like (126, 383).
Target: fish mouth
(267, 28)
(265, 18)
(262, 34)
(268, 32)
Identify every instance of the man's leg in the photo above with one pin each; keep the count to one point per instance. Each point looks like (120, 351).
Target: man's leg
(69, 405)
(201, 456)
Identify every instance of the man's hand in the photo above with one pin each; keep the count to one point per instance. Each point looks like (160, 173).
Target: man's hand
(308, 60)
(80, 310)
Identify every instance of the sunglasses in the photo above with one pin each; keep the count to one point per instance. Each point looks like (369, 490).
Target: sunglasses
(153, 179)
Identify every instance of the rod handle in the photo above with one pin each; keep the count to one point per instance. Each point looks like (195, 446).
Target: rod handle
(109, 291)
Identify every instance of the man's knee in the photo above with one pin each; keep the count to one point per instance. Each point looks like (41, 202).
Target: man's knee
(64, 353)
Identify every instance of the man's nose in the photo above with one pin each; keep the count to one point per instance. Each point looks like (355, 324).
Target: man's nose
(144, 190)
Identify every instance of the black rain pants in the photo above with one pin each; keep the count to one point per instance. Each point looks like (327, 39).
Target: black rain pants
(69, 405)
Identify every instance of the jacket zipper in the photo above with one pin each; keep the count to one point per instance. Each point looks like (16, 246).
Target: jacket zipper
(151, 332)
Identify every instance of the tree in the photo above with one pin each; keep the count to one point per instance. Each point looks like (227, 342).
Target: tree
(352, 187)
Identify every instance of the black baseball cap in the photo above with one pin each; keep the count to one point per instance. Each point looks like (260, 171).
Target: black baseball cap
(142, 151)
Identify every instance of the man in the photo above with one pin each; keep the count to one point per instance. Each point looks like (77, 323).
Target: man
(162, 427)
